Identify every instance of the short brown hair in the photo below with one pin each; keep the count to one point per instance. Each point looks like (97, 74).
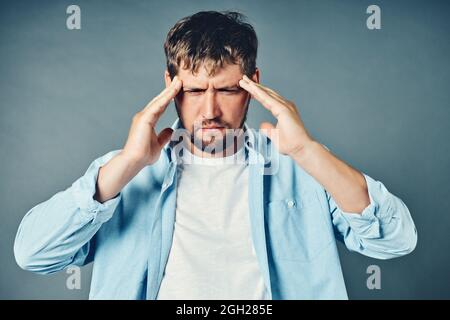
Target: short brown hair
(213, 38)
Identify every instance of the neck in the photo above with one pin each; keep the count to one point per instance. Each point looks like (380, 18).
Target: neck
(232, 149)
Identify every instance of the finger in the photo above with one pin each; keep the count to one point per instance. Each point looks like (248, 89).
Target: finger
(263, 97)
(274, 95)
(168, 91)
(269, 91)
(158, 105)
(288, 104)
(166, 95)
(164, 136)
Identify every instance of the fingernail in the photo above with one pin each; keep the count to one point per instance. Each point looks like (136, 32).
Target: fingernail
(245, 77)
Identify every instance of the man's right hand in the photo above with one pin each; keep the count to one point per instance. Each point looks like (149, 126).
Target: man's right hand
(143, 146)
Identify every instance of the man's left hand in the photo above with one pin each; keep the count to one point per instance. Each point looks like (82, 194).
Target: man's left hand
(289, 134)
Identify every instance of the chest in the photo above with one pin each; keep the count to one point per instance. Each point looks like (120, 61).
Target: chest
(213, 198)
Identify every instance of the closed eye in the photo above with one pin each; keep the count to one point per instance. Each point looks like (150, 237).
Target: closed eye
(194, 91)
(200, 91)
(230, 91)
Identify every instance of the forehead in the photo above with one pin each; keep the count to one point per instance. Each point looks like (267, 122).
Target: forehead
(228, 75)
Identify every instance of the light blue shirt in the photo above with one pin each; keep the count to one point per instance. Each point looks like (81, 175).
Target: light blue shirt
(294, 227)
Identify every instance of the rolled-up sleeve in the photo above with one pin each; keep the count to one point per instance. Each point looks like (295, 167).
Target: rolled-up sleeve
(58, 232)
(383, 230)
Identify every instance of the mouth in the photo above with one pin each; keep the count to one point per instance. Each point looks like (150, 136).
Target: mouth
(212, 128)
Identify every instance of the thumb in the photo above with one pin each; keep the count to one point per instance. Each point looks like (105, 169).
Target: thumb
(267, 129)
(164, 136)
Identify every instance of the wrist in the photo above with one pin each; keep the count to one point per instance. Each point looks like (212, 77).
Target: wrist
(132, 163)
(306, 151)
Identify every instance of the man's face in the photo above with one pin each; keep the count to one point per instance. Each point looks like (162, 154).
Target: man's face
(209, 105)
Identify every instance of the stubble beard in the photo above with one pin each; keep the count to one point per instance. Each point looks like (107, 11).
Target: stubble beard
(219, 142)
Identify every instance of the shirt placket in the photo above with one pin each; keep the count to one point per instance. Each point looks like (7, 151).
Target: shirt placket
(161, 230)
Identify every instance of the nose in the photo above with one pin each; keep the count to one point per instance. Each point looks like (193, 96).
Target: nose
(211, 107)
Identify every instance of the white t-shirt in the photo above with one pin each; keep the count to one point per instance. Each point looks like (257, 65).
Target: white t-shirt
(212, 254)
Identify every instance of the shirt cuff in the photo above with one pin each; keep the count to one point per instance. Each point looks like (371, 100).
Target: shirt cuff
(367, 223)
(84, 189)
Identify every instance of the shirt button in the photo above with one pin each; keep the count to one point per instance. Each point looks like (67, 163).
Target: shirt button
(291, 203)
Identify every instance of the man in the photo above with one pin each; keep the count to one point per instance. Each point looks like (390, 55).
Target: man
(162, 222)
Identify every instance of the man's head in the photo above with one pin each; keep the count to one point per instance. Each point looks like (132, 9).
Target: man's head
(210, 52)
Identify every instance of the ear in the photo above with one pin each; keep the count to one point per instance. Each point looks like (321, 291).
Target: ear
(255, 76)
(167, 78)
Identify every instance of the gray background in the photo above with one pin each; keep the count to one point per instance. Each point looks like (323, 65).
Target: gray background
(378, 99)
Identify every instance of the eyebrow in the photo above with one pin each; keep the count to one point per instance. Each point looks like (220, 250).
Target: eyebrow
(232, 87)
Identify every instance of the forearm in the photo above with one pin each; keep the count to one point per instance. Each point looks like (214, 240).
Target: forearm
(52, 235)
(56, 232)
(345, 184)
(114, 175)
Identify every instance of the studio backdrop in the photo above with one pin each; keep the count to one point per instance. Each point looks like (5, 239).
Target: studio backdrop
(370, 80)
